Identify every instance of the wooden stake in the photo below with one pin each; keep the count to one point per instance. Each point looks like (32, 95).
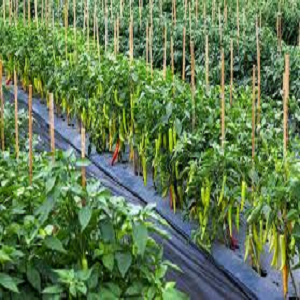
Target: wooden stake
(213, 13)
(286, 79)
(24, 12)
(36, 13)
(253, 111)
(98, 42)
(151, 49)
(183, 54)
(30, 133)
(29, 12)
(238, 20)
(51, 125)
(106, 28)
(2, 108)
(220, 27)
(140, 11)
(258, 76)
(285, 101)
(131, 39)
(231, 70)
(147, 44)
(75, 24)
(172, 55)
(165, 53)
(66, 27)
(222, 98)
(16, 114)
(193, 84)
(4, 11)
(196, 10)
(10, 11)
(88, 25)
(207, 63)
(16, 12)
(83, 171)
(174, 12)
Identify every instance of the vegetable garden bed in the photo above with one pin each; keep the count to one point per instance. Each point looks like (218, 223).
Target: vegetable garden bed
(224, 156)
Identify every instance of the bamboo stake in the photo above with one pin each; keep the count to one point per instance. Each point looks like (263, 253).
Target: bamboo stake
(147, 44)
(190, 20)
(222, 98)
(30, 133)
(140, 11)
(165, 53)
(66, 27)
(174, 13)
(285, 100)
(253, 112)
(118, 34)
(193, 88)
(10, 11)
(29, 12)
(258, 76)
(238, 20)
(98, 42)
(24, 12)
(286, 79)
(115, 37)
(196, 10)
(220, 27)
(106, 27)
(207, 63)
(88, 25)
(213, 13)
(4, 11)
(74, 24)
(172, 55)
(16, 114)
(111, 10)
(183, 54)
(94, 24)
(204, 11)
(299, 36)
(2, 107)
(131, 39)
(231, 70)
(36, 14)
(83, 171)
(51, 125)
(151, 48)
(16, 12)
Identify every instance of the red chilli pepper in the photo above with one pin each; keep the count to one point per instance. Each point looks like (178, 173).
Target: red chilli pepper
(8, 81)
(116, 153)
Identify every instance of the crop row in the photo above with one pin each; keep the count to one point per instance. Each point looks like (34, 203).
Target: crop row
(213, 178)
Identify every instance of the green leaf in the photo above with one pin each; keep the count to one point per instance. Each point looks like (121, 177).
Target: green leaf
(108, 261)
(140, 237)
(108, 232)
(292, 215)
(50, 183)
(33, 277)
(8, 282)
(84, 216)
(124, 261)
(54, 243)
(173, 294)
(54, 289)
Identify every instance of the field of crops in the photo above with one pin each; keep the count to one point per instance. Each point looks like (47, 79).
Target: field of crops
(199, 99)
